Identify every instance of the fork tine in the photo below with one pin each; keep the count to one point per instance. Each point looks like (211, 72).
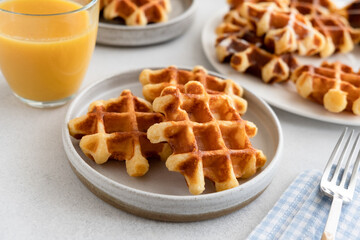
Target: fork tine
(333, 154)
(355, 171)
(348, 163)
(343, 153)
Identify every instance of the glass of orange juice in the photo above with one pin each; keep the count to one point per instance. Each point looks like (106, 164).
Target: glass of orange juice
(46, 47)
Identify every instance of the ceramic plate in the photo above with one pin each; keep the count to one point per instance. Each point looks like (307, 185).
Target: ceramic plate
(283, 96)
(180, 18)
(161, 194)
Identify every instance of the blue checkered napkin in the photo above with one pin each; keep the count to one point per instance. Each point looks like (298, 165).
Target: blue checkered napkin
(302, 211)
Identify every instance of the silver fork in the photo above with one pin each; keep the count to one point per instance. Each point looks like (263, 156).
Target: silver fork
(334, 186)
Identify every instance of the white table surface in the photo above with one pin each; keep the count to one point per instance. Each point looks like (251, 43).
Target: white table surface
(41, 198)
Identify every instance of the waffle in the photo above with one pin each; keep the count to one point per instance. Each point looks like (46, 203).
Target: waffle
(352, 13)
(280, 3)
(154, 81)
(339, 35)
(284, 30)
(233, 23)
(313, 7)
(136, 12)
(208, 137)
(248, 57)
(116, 129)
(238, 44)
(334, 85)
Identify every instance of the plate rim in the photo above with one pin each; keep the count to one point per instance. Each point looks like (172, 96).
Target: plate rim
(67, 144)
(333, 118)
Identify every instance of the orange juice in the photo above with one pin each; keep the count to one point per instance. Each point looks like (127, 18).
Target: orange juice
(45, 57)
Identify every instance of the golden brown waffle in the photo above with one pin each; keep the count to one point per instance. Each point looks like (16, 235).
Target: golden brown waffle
(136, 12)
(248, 57)
(280, 3)
(339, 35)
(334, 85)
(154, 81)
(284, 30)
(313, 7)
(352, 13)
(238, 44)
(233, 23)
(208, 137)
(116, 129)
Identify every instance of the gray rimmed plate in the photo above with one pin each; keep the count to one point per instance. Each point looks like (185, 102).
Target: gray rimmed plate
(161, 194)
(180, 18)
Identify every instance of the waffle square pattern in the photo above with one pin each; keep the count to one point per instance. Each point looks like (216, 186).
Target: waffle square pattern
(154, 81)
(116, 129)
(136, 12)
(334, 85)
(207, 135)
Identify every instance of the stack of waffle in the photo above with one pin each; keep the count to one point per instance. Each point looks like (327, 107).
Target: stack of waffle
(194, 124)
(262, 36)
(207, 135)
(136, 12)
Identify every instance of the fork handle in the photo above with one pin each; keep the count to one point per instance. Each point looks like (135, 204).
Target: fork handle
(333, 219)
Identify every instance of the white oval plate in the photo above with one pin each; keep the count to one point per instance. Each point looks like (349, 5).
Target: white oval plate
(180, 19)
(283, 96)
(161, 194)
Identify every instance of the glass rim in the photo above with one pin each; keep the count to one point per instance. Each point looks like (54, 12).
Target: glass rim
(85, 7)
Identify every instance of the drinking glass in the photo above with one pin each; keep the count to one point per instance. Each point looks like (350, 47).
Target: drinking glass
(46, 47)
